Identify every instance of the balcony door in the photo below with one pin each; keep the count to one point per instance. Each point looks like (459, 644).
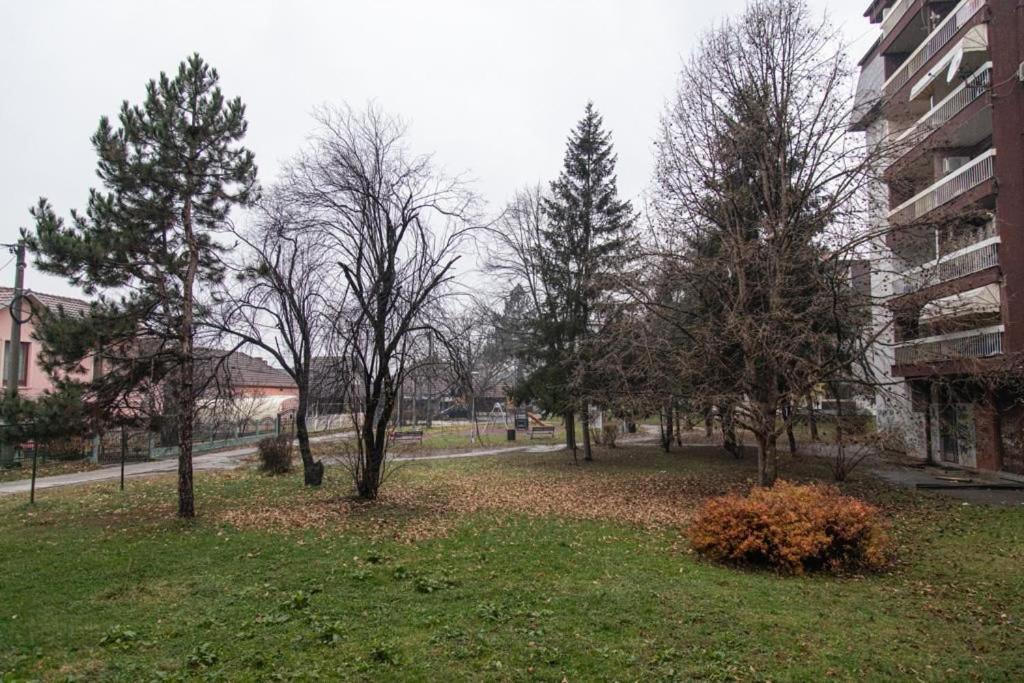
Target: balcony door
(956, 433)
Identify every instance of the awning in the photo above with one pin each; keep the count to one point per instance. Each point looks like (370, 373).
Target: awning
(981, 300)
(975, 40)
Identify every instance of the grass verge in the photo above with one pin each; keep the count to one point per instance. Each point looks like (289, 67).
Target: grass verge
(517, 567)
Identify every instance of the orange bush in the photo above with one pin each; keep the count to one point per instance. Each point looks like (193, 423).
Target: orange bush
(791, 528)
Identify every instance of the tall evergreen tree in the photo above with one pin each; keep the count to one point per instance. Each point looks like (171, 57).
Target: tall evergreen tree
(171, 173)
(583, 244)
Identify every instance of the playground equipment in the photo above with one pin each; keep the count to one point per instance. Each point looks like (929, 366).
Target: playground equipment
(498, 411)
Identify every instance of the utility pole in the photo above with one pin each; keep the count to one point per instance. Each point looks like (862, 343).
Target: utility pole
(13, 353)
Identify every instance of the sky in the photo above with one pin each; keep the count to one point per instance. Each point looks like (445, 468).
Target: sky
(490, 87)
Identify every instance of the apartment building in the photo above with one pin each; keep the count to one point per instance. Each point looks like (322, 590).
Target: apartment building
(941, 91)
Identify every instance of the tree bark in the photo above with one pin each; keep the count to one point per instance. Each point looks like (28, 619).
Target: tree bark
(767, 452)
(788, 414)
(570, 430)
(588, 454)
(186, 373)
(812, 419)
(312, 470)
(767, 460)
(374, 440)
(729, 441)
(666, 435)
(679, 428)
(709, 420)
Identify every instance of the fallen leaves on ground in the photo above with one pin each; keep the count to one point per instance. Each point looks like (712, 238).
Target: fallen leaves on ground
(411, 509)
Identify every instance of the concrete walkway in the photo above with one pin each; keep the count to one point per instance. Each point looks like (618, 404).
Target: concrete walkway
(225, 460)
(222, 460)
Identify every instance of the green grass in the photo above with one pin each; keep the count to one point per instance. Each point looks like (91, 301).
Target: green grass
(461, 437)
(96, 585)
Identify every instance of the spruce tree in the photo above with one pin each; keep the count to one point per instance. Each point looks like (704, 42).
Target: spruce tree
(171, 173)
(584, 242)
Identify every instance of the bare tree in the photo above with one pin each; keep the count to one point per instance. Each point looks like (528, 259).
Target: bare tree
(396, 226)
(478, 360)
(759, 189)
(279, 301)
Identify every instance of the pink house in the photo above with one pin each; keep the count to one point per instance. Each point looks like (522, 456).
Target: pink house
(249, 376)
(33, 379)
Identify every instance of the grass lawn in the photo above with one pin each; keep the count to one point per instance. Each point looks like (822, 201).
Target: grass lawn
(517, 567)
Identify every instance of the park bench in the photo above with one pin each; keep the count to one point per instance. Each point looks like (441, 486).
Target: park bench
(407, 436)
(543, 431)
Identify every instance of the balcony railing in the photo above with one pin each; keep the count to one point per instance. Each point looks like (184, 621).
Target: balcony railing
(948, 188)
(932, 44)
(943, 112)
(983, 343)
(895, 14)
(962, 263)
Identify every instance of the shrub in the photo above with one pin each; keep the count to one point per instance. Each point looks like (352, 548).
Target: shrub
(791, 528)
(275, 454)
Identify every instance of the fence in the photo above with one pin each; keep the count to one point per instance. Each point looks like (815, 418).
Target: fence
(143, 445)
(54, 451)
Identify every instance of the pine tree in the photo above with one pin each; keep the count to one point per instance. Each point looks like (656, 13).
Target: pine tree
(584, 242)
(171, 174)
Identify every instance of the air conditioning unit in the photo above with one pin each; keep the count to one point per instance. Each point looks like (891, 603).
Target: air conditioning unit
(950, 164)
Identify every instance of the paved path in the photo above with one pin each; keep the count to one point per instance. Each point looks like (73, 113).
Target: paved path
(225, 460)
(222, 460)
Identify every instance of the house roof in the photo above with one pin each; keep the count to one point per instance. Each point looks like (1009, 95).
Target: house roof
(50, 301)
(243, 370)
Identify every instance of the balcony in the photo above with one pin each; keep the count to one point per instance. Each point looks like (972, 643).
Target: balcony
(972, 259)
(946, 189)
(945, 111)
(932, 45)
(972, 344)
(896, 12)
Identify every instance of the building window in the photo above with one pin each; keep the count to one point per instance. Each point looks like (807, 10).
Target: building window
(22, 363)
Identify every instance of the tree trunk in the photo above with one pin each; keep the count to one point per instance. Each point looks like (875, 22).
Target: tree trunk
(788, 413)
(767, 460)
(415, 393)
(476, 424)
(588, 454)
(570, 430)
(812, 419)
(679, 428)
(312, 470)
(186, 496)
(729, 441)
(186, 374)
(709, 420)
(767, 455)
(666, 436)
(373, 461)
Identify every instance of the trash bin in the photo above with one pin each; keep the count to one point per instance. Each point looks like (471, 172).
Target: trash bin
(511, 434)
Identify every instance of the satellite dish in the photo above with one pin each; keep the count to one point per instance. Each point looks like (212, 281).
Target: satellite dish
(954, 64)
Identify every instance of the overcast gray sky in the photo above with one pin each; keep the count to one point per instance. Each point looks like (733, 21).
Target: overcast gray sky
(492, 87)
